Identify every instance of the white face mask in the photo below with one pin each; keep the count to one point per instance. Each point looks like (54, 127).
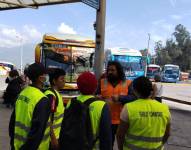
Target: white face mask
(10, 78)
(47, 78)
(46, 82)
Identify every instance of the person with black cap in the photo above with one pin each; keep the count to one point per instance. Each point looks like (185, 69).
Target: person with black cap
(144, 123)
(29, 124)
(57, 82)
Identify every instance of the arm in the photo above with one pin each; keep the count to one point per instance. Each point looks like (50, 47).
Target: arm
(12, 129)
(122, 129)
(38, 125)
(154, 92)
(126, 99)
(167, 133)
(54, 141)
(7, 80)
(123, 99)
(105, 129)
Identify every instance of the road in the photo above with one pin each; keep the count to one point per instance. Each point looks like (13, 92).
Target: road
(180, 138)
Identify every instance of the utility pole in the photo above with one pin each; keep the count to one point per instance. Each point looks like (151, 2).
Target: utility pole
(21, 52)
(100, 39)
(148, 45)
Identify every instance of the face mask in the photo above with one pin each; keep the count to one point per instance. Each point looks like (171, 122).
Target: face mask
(47, 78)
(10, 78)
(45, 81)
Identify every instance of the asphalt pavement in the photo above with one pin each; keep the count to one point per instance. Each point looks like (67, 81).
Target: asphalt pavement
(180, 138)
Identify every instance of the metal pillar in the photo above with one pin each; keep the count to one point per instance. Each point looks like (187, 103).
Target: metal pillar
(100, 37)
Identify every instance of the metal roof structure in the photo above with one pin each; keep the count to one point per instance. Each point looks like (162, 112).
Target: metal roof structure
(17, 4)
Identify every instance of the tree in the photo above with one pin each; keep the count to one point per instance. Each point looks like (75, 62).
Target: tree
(177, 50)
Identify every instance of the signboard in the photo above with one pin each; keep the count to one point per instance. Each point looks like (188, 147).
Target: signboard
(92, 3)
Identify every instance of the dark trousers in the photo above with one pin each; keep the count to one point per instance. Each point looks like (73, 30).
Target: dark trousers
(114, 131)
(159, 99)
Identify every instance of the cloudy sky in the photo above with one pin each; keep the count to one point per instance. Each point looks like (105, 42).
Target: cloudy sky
(128, 23)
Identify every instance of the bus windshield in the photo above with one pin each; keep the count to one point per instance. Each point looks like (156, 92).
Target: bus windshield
(69, 52)
(130, 63)
(153, 70)
(172, 71)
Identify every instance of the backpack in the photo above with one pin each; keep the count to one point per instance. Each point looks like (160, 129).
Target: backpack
(76, 129)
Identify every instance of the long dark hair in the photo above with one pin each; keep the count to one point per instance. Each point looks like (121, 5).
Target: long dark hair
(121, 74)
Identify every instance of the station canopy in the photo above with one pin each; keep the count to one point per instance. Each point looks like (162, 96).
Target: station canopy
(16, 4)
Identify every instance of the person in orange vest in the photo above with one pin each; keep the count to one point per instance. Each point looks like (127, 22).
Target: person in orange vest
(112, 86)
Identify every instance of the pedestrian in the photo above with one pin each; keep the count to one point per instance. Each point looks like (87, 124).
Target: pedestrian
(113, 86)
(145, 123)
(91, 129)
(157, 89)
(29, 124)
(13, 89)
(57, 81)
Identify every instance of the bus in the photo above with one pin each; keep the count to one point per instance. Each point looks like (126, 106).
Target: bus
(6, 67)
(152, 70)
(132, 61)
(171, 73)
(73, 53)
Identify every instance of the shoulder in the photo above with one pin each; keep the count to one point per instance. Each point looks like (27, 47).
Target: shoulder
(44, 101)
(48, 92)
(104, 81)
(126, 82)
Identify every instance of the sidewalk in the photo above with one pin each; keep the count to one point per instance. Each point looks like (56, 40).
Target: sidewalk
(180, 131)
(180, 138)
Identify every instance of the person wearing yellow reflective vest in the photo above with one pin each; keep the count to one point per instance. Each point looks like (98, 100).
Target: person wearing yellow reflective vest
(145, 123)
(29, 126)
(99, 116)
(57, 81)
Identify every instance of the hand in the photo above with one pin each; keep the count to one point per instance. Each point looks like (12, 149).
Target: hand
(99, 97)
(115, 99)
(108, 101)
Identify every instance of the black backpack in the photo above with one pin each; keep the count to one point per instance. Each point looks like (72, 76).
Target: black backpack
(76, 130)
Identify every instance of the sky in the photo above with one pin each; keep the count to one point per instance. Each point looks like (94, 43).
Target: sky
(128, 23)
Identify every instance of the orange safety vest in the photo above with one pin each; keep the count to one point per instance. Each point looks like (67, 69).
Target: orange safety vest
(107, 91)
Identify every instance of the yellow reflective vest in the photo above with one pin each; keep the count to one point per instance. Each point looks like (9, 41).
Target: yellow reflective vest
(24, 108)
(147, 124)
(59, 114)
(95, 115)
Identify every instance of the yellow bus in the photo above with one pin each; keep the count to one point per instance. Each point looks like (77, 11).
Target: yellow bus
(73, 53)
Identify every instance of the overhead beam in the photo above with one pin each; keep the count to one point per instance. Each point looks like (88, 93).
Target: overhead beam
(17, 6)
(20, 5)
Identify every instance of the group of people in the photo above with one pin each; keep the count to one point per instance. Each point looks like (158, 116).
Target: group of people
(14, 87)
(117, 108)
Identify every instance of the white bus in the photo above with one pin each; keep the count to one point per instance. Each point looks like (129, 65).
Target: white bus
(171, 73)
(152, 70)
(131, 60)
